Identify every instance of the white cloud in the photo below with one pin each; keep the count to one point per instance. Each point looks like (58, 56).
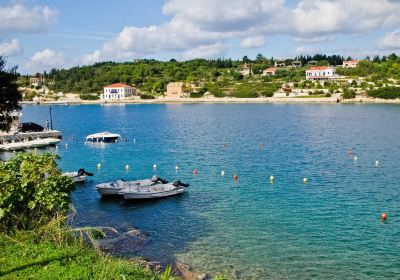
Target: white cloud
(205, 51)
(10, 49)
(196, 27)
(391, 41)
(305, 50)
(18, 18)
(45, 59)
(252, 42)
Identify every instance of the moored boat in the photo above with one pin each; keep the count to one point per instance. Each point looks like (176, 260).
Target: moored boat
(113, 188)
(38, 143)
(103, 137)
(78, 177)
(155, 191)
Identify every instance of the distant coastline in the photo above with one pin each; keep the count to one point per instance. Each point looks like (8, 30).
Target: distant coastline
(226, 100)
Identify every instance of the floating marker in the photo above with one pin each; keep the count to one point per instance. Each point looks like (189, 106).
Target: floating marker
(383, 216)
(57, 146)
(305, 180)
(271, 178)
(66, 145)
(235, 177)
(99, 166)
(377, 163)
(222, 173)
(195, 172)
(127, 167)
(177, 168)
(355, 158)
(134, 140)
(155, 166)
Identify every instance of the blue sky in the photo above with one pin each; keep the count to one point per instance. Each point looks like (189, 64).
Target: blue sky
(38, 35)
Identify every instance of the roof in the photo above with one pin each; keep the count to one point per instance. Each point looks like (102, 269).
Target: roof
(318, 68)
(271, 69)
(117, 85)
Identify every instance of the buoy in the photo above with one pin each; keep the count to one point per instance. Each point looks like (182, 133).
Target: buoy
(195, 172)
(271, 179)
(377, 163)
(350, 151)
(127, 167)
(222, 173)
(57, 146)
(155, 166)
(176, 168)
(355, 158)
(235, 177)
(305, 180)
(383, 216)
(134, 140)
(261, 146)
(66, 145)
(99, 166)
(116, 141)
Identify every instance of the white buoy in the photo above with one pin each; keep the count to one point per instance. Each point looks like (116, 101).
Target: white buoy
(134, 140)
(99, 166)
(66, 145)
(222, 173)
(56, 147)
(305, 180)
(355, 158)
(377, 163)
(155, 166)
(176, 168)
(271, 179)
(127, 167)
(85, 143)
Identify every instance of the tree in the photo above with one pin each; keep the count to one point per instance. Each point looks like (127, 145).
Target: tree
(9, 94)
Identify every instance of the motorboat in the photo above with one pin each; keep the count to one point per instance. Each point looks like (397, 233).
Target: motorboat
(113, 188)
(79, 176)
(155, 191)
(103, 137)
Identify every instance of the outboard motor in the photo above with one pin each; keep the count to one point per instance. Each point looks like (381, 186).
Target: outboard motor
(82, 171)
(178, 183)
(162, 181)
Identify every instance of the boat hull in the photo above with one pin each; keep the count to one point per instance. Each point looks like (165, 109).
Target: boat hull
(156, 195)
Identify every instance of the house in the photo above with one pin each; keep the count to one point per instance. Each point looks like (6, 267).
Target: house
(350, 63)
(296, 64)
(280, 63)
(270, 71)
(36, 81)
(320, 73)
(175, 89)
(246, 69)
(312, 63)
(117, 91)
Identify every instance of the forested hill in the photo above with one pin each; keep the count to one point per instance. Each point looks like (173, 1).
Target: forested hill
(152, 76)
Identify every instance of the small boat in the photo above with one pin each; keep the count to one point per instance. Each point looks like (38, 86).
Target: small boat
(154, 192)
(113, 188)
(78, 177)
(103, 137)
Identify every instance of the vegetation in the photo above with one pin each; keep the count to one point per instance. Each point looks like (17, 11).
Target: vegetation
(9, 94)
(385, 92)
(349, 93)
(147, 96)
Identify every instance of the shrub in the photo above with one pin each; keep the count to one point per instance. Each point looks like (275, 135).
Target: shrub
(328, 94)
(195, 94)
(237, 76)
(89, 96)
(147, 96)
(245, 90)
(385, 92)
(349, 93)
(32, 191)
(269, 89)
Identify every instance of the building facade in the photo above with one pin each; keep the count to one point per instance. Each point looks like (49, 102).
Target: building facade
(36, 81)
(320, 73)
(350, 63)
(175, 89)
(117, 91)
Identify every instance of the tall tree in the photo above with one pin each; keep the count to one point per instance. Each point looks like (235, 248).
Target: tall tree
(9, 94)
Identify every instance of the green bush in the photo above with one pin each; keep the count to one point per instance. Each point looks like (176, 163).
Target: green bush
(269, 89)
(88, 96)
(385, 92)
(246, 90)
(32, 191)
(195, 94)
(349, 93)
(147, 96)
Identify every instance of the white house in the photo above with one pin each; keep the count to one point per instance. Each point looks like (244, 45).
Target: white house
(321, 73)
(270, 71)
(117, 91)
(350, 63)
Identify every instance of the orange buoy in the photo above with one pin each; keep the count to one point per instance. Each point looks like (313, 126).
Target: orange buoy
(383, 216)
(350, 151)
(195, 172)
(235, 177)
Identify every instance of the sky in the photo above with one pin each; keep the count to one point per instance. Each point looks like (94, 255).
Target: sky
(38, 35)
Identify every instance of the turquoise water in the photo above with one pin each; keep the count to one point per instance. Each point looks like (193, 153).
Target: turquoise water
(329, 228)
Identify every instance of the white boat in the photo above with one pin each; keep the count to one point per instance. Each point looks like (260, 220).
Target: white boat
(154, 192)
(103, 137)
(38, 143)
(113, 188)
(78, 177)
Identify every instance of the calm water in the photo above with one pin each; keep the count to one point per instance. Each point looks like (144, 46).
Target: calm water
(327, 229)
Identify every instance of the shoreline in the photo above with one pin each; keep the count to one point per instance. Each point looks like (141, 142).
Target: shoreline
(225, 100)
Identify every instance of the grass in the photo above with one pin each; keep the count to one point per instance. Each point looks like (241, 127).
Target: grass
(60, 255)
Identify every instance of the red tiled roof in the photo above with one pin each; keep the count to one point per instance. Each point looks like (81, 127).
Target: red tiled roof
(117, 85)
(271, 69)
(317, 68)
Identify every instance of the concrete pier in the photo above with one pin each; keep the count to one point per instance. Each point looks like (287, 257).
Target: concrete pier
(19, 136)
